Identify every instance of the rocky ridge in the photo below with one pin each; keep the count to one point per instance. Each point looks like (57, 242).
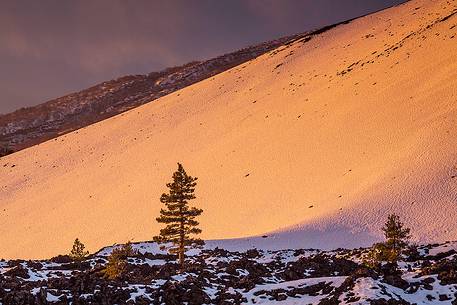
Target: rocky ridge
(33, 125)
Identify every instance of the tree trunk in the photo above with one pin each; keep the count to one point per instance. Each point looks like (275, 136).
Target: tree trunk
(181, 243)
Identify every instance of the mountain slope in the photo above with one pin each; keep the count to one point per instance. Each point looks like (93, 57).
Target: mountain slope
(29, 126)
(317, 140)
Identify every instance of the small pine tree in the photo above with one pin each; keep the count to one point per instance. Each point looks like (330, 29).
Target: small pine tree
(378, 253)
(77, 252)
(117, 261)
(396, 243)
(178, 216)
(396, 234)
(127, 250)
(115, 266)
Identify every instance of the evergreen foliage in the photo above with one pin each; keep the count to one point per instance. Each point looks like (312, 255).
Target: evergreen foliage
(77, 252)
(115, 266)
(397, 237)
(378, 253)
(127, 250)
(396, 234)
(178, 216)
(117, 261)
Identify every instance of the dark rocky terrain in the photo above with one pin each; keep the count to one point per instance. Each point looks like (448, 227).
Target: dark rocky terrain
(216, 276)
(29, 126)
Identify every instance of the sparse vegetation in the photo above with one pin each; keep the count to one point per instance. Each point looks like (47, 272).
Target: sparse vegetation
(178, 216)
(117, 261)
(378, 253)
(397, 237)
(78, 254)
(396, 234)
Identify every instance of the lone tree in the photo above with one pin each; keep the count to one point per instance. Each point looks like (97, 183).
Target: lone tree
(396, 243)
(396, 234)
(178, 216)
(77, 252)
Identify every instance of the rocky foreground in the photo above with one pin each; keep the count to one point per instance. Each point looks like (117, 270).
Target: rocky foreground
(217, 276)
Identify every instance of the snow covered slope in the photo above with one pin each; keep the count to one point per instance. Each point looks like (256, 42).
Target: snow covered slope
(317, 140)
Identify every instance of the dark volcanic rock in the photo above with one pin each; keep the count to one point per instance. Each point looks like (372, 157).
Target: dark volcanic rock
(318, 266)
(389, 302)
(223, 277)
(18, 271)
(188, 291)
(446, 270)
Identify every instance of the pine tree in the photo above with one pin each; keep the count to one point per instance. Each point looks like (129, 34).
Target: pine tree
(115, 266)
(379, 253)
(178, 216)
(117, 261)
(77, 252)
(396, 234)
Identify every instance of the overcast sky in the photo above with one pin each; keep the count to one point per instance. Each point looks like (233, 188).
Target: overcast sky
(49, 48)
